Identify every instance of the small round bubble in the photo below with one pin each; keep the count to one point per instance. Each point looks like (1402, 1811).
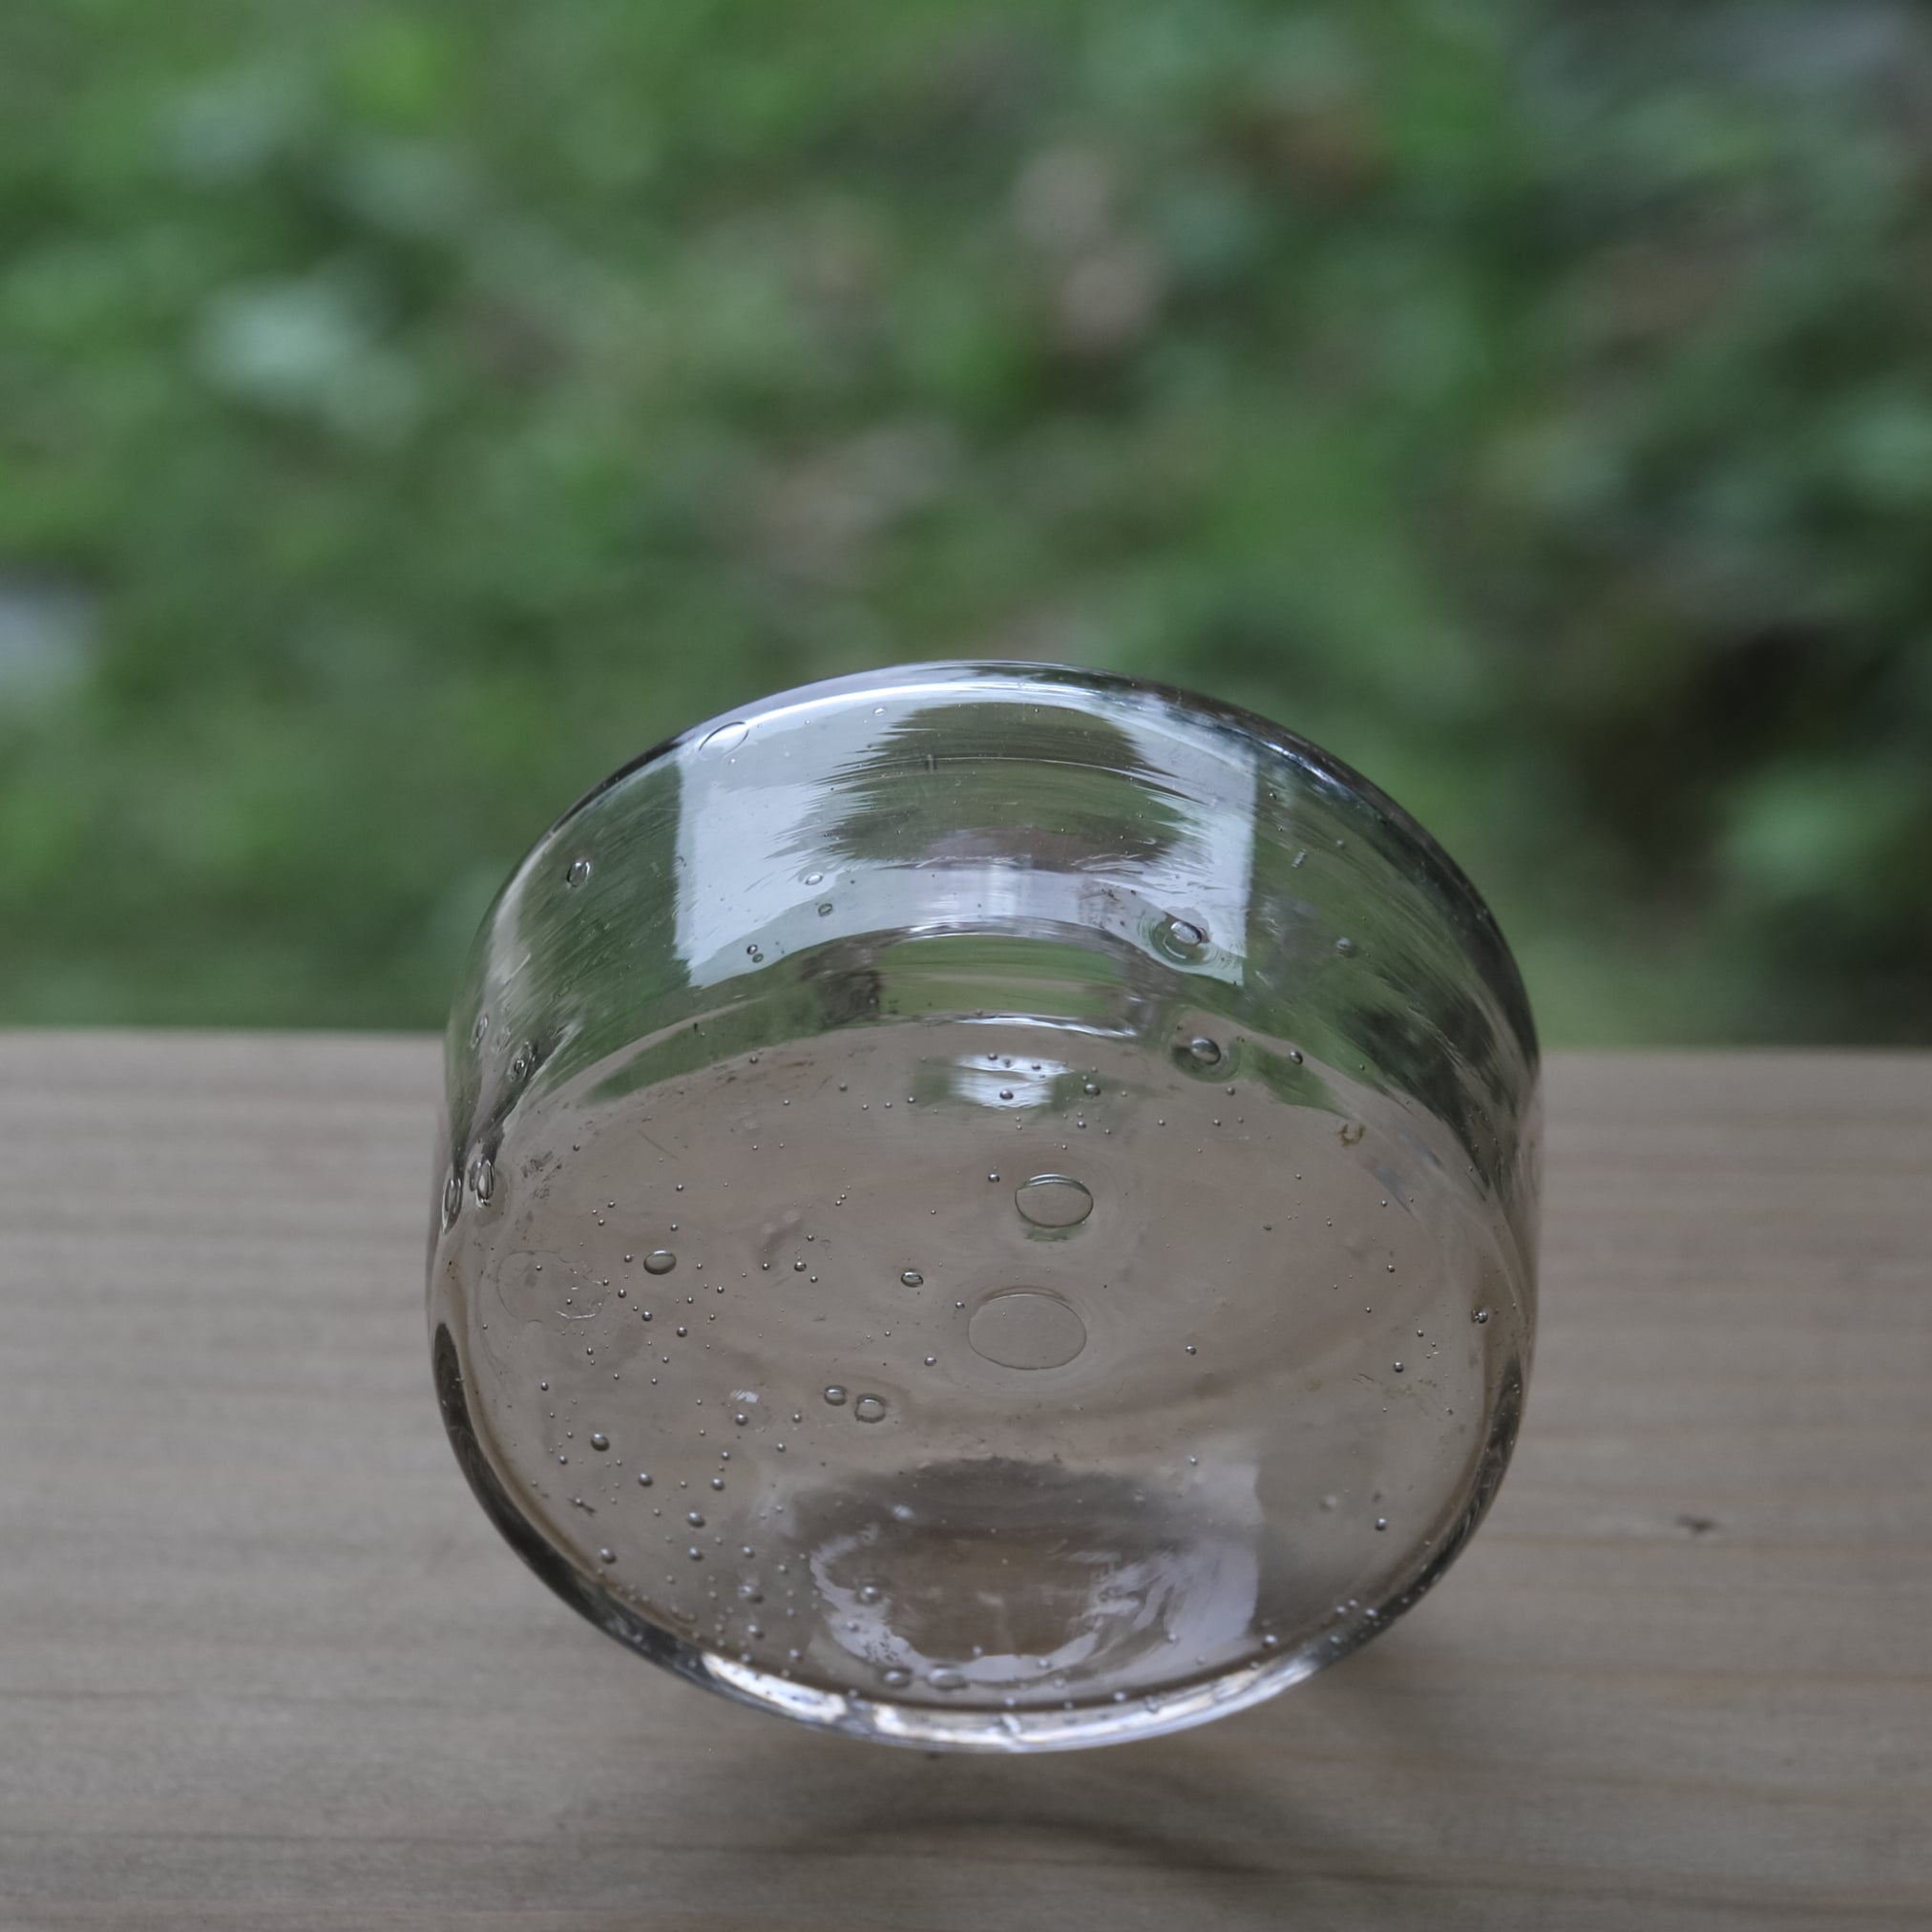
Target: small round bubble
(1180, 939)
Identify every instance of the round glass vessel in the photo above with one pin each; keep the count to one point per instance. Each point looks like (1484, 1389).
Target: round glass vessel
(986, 1205)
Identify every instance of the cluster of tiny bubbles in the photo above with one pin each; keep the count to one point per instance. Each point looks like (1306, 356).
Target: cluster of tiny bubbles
(660, 1261)
(913, 1278)
(578, 873)
(1180, 939)
(835, 1395)
(870, 1409)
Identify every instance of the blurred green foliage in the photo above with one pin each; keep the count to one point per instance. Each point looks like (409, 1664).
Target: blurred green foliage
(408, 411)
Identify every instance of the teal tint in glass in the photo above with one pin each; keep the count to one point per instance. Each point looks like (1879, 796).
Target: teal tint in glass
(986, 1205)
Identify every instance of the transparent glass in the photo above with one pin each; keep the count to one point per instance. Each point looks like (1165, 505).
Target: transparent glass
(986, 1205)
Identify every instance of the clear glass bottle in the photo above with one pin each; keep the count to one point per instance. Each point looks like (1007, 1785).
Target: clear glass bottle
(987, 1206)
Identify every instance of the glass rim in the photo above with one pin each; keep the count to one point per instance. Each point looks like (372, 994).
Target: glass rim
(1015, 677)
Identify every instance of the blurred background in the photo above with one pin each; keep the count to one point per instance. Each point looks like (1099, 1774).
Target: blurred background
(408, 411)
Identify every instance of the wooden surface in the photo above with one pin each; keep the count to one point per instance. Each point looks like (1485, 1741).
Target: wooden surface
(264, 1665)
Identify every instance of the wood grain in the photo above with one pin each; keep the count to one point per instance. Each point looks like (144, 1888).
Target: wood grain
(263, 1663)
